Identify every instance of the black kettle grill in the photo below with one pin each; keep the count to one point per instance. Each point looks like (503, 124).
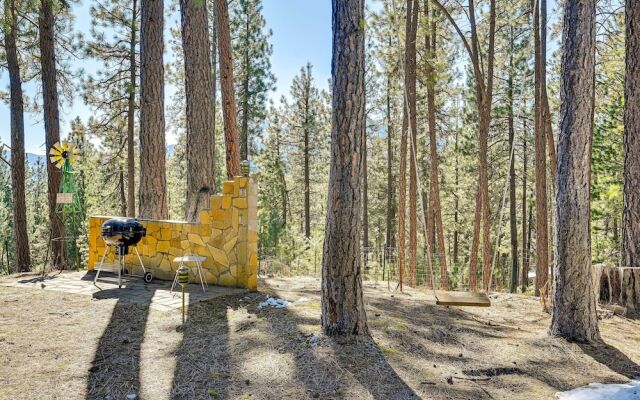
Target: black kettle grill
(122, 233)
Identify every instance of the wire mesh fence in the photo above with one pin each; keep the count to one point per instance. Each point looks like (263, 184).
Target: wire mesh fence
(378, 263)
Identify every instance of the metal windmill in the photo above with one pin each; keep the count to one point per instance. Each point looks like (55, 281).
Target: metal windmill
(68, 206)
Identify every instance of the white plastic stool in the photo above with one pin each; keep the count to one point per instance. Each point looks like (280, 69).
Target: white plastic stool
(187, 259)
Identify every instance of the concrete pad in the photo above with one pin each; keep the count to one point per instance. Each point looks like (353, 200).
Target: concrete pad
(156, 294)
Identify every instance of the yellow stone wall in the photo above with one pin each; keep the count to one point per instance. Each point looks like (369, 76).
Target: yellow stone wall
(226, 234)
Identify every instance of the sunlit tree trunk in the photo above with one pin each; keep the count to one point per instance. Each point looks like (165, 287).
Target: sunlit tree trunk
(542, 238)
(513, 224)
(153, 182)
(228, 92)
(199, 100)
(630, 243)
(16, 105)
(343, 311)
(131, 112)
(574, 308)
(46, 26)
(410, 88)
(430, 40)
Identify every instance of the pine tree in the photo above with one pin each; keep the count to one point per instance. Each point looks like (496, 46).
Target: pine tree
(343, 310)
(153, 181)
(46, 25)
(304, 125)
(573, 314)
(112, 91)
(11, 32)
(252, 71)
(199, 102)
(231, 137)
(631, 208)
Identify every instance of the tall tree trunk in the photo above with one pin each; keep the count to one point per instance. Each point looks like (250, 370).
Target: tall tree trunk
(410, 88)
(200, 122)
(430, 40)
(542, 230)
(573, 314)
(485, 124)
(456, 200)
(391, 208)
(546, 112)
(214, 74)
(365, 196)
(228, 93)
(23, 257)
(131, 111)
(46, 25)
(548, 133)
(153, 182)
(524, 271)
(513, 224)
(307, 150)
(343, 311)
(630, 243)
(121, 192)
(244, 130)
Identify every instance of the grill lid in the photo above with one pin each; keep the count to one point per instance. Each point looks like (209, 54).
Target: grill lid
(123, 232)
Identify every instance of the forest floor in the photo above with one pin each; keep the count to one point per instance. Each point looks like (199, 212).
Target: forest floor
(56, 345)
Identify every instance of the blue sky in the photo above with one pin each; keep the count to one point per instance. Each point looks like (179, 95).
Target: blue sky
(301, 33)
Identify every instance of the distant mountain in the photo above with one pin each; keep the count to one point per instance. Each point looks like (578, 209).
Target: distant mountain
(33, 159)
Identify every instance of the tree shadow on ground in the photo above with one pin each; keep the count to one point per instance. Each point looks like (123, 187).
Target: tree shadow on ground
(115, 369)
(612, 358)
(330, 367)
(203, 363)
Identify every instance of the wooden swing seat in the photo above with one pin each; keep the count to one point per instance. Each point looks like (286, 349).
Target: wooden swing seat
(459, 299)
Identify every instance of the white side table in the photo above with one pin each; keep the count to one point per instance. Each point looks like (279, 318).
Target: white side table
(189, 258)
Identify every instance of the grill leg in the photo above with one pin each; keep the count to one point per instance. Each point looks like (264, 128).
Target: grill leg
(144, 271)
(120, 268)
(200, 275)
(106, 249)
(175, 279)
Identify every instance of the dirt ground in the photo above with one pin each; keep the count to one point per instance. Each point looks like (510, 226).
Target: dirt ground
(62, 346)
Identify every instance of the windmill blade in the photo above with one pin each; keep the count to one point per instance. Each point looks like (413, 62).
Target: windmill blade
(60, 163)
(57, 146)
(54, 159)
(54, 151)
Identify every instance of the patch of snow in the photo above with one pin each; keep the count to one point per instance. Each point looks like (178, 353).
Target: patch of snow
(313, 340)
(599, 391)
(273, 302)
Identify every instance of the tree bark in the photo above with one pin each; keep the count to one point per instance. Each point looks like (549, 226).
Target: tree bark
(573, 314)
(228, 93)
(456, 201)
(391, 214)
(131, 111)
(524, 271)
(153, 182)
(630, 242)
(410, 88)
(199, 100)
(343, 311)
(365, 196)
(23, 257)
(430, 41)
(46, 27)
(542, 230)
(513, 224)
(244, 131)
(306, 151)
